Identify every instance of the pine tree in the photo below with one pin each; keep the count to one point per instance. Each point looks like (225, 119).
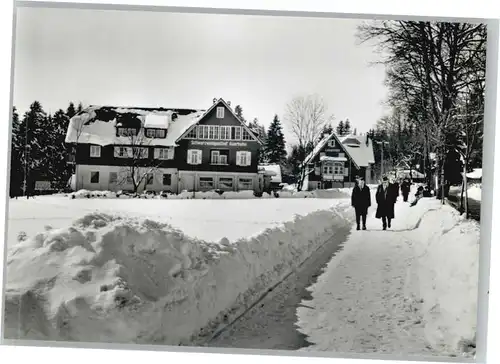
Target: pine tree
(16, 168)
(71, 111)
(355, 132)
(327, 130)
(238, 110)
(80, 107)
(275, 143)
(347, 127)
(340, 128)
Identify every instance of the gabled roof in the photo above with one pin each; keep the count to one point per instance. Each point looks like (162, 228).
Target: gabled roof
(362, 151)
(322, 143)
(97, 124)
(217, 103)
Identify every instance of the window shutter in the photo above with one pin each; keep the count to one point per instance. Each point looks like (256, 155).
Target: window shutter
(170, 153)
(346, 172)
(116, 152)
(238, 158)
(190, 157)
(199, 156)
(157, 153)
(130, 152)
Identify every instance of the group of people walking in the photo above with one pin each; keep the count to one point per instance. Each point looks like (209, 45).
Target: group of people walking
(386, 196)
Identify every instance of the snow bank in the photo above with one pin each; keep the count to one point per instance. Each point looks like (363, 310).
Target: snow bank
(132, 280)
(447, 247)
(475, 192)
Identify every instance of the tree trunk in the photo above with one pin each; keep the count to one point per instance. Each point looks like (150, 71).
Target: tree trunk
(462, 206)
(466, 193)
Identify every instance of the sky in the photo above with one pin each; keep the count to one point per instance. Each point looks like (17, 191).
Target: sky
(148, 59)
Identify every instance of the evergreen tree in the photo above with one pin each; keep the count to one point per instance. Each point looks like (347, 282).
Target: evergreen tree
(340, 128)
(16, 168)
(71, 111)
(355, 132)
(327, 130)
(238, 110)
(275, 143)
(347, 127)
(80, 107)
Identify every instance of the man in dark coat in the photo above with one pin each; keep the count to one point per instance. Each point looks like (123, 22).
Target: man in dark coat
(394, 189)
(361, 201)
(385, 203)
(405, 189)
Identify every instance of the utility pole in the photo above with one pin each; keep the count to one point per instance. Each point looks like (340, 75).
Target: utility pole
(382, 143)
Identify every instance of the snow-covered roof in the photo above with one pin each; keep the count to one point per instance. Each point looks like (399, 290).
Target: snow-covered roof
(157, 121)
(333, 159)
(275, 171)
(477, 173)
(321, 144)
(361, 152)
(97, 124)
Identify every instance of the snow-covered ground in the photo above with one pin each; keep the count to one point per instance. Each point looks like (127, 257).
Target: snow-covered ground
(473, 191)
(151, 271)
(411, 290)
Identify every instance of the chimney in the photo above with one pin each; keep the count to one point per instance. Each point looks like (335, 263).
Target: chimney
(229, 103)
(214, 100)
(174, 116)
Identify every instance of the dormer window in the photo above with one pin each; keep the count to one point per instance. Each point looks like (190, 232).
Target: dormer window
(126, 132)
(155, 133)
(220, 112)
(331, 143)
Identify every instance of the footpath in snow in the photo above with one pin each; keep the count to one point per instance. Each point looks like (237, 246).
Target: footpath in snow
(109, 277)
(410, 290)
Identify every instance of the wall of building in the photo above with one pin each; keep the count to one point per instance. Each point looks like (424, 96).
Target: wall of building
(193, 180)
(84, 173)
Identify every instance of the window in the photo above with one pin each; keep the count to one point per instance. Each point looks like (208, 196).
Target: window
(141, 153)
(123, 152)
(319, 186)
(225, 132)
(160, 133)
(94, 177)
(331, 143)
(193, 133)
(213, 132)
(127, 132)
(167, 179)
(206, 183)
(338, 169)
(246, 135)
(203, 131)
(149, 179)
(113, 177)
(243, 158)
(220, 112)
(219, 157)
(327, 169)
(164, 153)
(194, 156)
(95, 151)
(225, 183)
(245, 183)
(341, 155)
(150, 133)
(237, 132)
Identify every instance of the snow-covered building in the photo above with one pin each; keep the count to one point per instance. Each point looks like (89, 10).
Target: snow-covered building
(163, 149)
(336, 161)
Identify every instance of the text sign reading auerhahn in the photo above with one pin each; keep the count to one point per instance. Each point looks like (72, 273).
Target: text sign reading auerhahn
(210, 143)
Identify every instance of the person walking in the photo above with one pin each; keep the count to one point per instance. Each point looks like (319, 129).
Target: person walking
(405, 189)
(361, 201)
(394, 188)
(385, 203)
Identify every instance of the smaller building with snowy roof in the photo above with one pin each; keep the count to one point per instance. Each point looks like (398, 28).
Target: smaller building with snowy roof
(336, 161)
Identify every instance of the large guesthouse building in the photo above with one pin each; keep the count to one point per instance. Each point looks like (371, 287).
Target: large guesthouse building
(336, 161)
(159, 149)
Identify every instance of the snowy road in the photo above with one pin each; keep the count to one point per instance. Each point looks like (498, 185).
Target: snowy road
(271, 323)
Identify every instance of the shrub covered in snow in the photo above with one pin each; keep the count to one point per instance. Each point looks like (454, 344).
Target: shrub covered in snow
(111, 279)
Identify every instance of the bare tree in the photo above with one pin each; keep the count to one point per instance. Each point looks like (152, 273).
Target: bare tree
(306, 117)
(138, 166)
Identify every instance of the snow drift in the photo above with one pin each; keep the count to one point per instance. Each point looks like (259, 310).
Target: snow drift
(131, 280)
(447, 247)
